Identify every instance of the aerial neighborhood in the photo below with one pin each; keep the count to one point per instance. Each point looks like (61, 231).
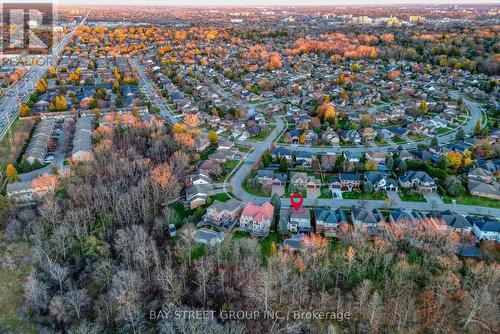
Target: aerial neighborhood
(157, 142)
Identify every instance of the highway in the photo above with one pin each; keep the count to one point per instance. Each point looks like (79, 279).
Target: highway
(22, 89)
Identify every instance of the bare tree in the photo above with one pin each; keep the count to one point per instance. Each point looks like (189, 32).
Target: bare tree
(36, 292)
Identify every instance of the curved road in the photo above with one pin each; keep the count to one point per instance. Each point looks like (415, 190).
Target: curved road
(249, 161)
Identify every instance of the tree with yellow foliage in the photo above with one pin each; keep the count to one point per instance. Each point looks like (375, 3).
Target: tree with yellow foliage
(302, 139)
(468, 158)
(11, 173)
(371, 165)
(41, 86)
(454, 160)
(423, 107)
(61, 104)
(273, 249)
(24, 110)
(212, 137)
(179, 128)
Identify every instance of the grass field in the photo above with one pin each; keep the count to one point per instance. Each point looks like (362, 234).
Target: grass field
(468, 199)
(20, 134)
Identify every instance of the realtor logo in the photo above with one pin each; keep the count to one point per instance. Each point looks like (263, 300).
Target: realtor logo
(27, 28)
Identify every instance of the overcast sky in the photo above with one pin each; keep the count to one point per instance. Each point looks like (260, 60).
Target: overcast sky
(263, 2)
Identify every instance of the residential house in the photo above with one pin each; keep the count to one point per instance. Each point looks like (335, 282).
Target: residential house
(419, 180)
(349, 181)
(371, 220)
(257, 219)
(368, 134)
(328, 161)
(208, 237)
(37, 148)
(482, 189)
(200, 179)
(220, 211)
(210, 167)
(82, 141)
(303, 158)
(328, 219)
(485, 228)
(380, 181)
(482, 182)
(377, 156)
(350, 136)
(299, 221)
(20, 192)
(452, 220)
(405, 219)
(279, 152)
(330, 136)
(197, 195)
(269, 180)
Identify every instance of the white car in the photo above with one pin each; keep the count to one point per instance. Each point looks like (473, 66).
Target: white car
(48, 160)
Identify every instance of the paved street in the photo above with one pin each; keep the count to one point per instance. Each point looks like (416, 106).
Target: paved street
(395, 202)
(21, 90)
(149, 89)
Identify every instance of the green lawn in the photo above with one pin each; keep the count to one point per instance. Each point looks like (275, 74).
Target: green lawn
(20, 131)
(418, 137)
(407, 196)
(326, 193)
(243, 149)
(204, 154)
(398, 140)
(359, 195)
(469, 199)
(442, 131)
(263, 135)
(221, 197)
(230, 165)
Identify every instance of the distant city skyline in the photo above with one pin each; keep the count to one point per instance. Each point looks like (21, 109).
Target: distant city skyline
(268, 3)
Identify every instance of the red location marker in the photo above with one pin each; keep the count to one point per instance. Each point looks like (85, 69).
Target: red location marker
(296, 204)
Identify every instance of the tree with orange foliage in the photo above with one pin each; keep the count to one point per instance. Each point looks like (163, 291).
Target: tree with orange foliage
(274, 61)
(11, 173)
(45, 185)
(191, 120)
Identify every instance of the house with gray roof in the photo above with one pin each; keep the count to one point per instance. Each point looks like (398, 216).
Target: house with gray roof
(328, 219)
(485, 228)
(380, 181)
(299, 221)
(82, 141)
(20, 192)
(37, 148)
(371, 220)
(421, 181)
(208, 237)
(453, 220)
